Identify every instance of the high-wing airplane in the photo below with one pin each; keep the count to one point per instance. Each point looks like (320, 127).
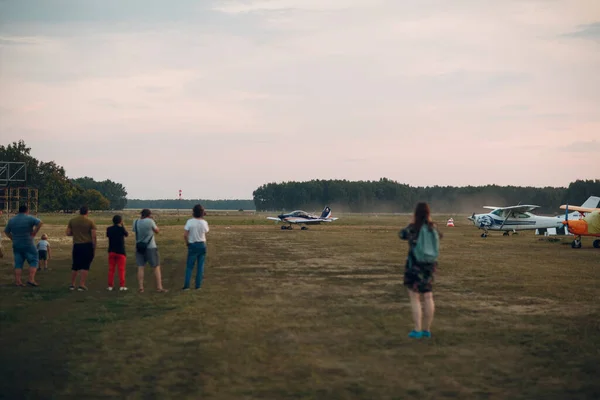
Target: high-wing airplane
(513, 218)
(587, 226)
(302, 217)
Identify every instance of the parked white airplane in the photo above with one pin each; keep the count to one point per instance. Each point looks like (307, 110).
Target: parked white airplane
(302, 217)
(519, 218)
(513, 218)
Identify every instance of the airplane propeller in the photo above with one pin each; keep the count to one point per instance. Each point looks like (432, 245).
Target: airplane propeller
(567, 218)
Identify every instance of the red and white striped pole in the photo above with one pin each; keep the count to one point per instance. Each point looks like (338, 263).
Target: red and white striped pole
(179, 202)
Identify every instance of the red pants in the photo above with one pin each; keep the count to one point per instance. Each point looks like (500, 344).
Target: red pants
(115, 260)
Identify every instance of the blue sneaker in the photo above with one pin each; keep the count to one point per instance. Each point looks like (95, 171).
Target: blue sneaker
(415, 334)
(426, 334)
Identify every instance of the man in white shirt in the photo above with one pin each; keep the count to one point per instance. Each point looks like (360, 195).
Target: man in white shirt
(195, 240)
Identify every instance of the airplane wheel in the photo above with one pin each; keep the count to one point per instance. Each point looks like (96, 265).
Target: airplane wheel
(576, 244)
(304, 228)
(484, 235)
(597, 244)
(506, 234)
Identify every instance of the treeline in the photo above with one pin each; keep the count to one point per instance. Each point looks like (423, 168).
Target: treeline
(183, 204)
(387, 195)
(114, 192)
(57, 192)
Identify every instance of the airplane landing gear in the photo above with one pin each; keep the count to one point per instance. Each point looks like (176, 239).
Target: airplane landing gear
(507, 233)
(304, 228)
(284, 227)
(597, 244)
(576, 244)
(484, 235)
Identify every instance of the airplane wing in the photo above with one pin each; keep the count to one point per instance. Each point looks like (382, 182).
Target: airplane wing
(521, 208)
(274, 219)
(580, 209)
(298, 220)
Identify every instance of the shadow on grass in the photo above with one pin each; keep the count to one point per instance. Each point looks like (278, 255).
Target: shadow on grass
(37, 350)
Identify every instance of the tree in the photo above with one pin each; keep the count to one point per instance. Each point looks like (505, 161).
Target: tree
(55, 190)
(113, 191)
(93, 199)
(391, 196)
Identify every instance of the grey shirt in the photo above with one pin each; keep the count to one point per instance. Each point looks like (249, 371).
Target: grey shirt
(143, 231)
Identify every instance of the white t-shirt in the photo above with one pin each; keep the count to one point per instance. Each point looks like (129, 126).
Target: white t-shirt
(197, 229)
(43, 245)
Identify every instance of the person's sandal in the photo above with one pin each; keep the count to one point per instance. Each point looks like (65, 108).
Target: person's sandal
(162, 290)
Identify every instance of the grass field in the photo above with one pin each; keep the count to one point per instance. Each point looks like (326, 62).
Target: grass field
(317, 314)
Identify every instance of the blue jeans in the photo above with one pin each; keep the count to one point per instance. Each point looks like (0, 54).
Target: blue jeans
(196, 252)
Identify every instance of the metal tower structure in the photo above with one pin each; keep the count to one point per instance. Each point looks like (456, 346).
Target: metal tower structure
(14, 191)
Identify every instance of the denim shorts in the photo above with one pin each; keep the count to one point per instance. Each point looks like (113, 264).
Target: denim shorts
(27, 253)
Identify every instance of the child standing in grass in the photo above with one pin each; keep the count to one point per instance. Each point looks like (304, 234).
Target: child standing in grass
(44, 252)
(117, 257)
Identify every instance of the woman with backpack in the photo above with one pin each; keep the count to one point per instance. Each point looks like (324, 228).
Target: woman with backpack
(423, 248)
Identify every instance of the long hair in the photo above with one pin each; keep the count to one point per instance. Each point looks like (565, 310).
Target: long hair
(422, 215)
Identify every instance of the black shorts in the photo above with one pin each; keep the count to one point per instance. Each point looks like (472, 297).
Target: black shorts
(83, 255)
(43, 254)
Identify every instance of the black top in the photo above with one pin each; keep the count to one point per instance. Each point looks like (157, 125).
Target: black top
(116, 239)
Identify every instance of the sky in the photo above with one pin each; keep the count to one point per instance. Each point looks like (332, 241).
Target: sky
(219, 97)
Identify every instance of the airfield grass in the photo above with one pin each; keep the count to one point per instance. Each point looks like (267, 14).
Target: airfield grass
(317, 314)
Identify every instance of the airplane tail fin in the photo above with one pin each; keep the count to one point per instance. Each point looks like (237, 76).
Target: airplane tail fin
(591, 202)
(326, 212)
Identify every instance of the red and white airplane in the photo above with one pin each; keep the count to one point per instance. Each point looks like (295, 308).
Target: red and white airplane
(302, 217)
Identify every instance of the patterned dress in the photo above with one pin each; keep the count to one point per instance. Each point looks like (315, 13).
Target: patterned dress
(417, 277)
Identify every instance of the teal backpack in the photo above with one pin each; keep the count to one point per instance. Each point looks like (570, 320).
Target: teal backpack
(427, 249)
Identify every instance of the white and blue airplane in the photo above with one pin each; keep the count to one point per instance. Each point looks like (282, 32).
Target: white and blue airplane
(520, 218)
(302, 217)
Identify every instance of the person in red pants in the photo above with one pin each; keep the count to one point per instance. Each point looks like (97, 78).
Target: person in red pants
(117, 257)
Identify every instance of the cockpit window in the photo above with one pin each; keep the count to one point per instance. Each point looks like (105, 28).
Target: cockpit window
(521, 215)
(497, 212)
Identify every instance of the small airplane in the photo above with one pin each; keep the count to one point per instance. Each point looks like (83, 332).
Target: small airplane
(591, 203)
(586, 226)
(513, 218)
(302, 217)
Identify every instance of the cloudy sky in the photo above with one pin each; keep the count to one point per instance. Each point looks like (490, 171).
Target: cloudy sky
(218, 97)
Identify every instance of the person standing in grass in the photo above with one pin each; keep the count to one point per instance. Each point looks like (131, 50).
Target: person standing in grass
(21, 229)
(44, 252)
(146, 250)
(117, 257)
(83, 231)
(195, 229)
(423, 244)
